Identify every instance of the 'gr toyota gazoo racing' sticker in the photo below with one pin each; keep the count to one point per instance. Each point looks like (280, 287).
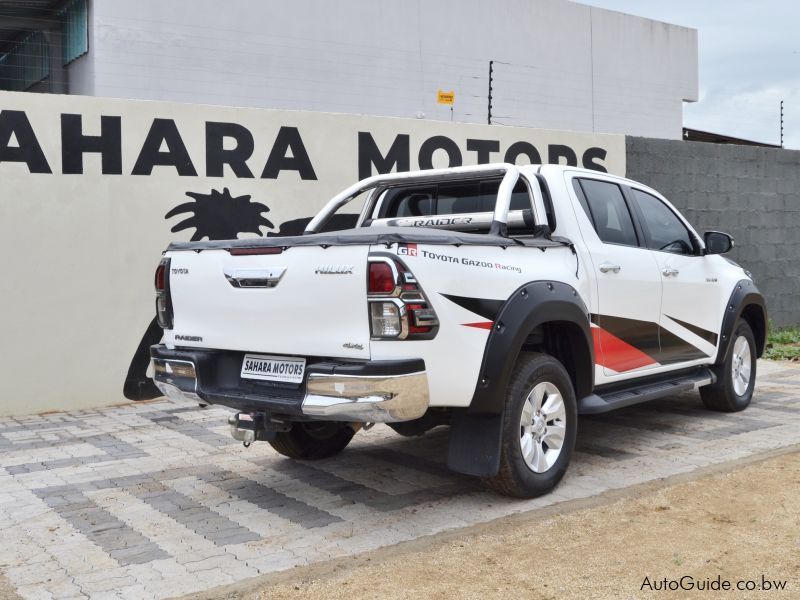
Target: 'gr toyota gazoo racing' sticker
(469, 261)
(407, 249)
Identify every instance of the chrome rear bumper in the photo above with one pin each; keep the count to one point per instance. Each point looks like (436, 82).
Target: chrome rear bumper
(374, 391)
(373, 399)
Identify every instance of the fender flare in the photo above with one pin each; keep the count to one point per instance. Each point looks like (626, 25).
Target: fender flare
(476, 432)
(745, 294)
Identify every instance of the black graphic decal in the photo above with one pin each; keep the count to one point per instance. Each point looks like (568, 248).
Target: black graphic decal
(646, 336)
(642, 335)
(220, 216)
(708, 336)
(676, 350)
(488, 309)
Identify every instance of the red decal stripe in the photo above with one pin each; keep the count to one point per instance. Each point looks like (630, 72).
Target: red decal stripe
(481, 325)
(612, 352)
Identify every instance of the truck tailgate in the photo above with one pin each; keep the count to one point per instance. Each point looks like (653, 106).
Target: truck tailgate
(317, 307)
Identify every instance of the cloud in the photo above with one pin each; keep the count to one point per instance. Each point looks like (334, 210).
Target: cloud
(749, 55)
(749, 113)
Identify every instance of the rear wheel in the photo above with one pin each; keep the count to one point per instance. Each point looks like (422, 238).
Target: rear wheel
(313, 440)
(736, 376)
(539, 428)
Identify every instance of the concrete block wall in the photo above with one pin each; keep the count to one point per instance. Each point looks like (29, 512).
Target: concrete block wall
(750, 192)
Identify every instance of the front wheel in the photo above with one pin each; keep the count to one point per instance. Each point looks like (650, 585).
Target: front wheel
(539, 428)
(736, 376)
(313, 440)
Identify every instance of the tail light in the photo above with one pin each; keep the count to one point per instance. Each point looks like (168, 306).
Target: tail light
(163, 297)
(255, 251)
(398, 308)
(388, 319)
(382, 277)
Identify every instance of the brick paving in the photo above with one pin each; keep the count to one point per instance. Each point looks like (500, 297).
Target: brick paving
(155, 500)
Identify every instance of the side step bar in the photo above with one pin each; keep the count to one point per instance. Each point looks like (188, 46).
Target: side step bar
(603, 401)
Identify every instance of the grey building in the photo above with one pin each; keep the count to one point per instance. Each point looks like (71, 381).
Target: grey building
(550, 64)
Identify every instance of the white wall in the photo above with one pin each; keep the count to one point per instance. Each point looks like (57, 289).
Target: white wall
(569, 66)
(79, 249)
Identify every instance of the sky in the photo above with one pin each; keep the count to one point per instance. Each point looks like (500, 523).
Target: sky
(749, 53)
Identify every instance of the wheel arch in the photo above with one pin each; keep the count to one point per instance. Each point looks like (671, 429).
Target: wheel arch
(748, 304)
(542, 316)
(756, 317)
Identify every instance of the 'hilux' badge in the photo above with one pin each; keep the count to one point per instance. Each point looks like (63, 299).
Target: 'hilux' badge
(334, 270)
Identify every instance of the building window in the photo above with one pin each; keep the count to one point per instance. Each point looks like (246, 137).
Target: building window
(28, 63)
(75, 30)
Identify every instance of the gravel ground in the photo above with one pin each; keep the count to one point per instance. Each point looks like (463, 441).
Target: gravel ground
(738, 525)
(7, 590)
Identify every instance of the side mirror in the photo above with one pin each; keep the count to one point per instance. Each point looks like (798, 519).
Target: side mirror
(717, 242)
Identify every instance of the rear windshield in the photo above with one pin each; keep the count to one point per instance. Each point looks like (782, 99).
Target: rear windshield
(449, 198)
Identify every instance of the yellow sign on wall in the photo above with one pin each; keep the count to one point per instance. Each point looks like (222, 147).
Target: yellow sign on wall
(448, 98)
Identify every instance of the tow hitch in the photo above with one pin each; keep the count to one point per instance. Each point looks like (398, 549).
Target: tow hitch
(250, 427)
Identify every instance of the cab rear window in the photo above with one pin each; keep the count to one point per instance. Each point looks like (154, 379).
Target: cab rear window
(449, 198)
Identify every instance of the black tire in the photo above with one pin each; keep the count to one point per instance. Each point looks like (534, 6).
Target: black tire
(515, 478)
(722, 395)
(313, 440)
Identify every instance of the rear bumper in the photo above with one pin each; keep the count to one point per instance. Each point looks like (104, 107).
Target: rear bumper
(372, 391)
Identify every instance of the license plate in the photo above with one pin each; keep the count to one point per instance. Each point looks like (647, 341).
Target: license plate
(285, 369)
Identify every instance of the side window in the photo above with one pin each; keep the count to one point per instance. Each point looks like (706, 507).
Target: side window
(666, 231)
(608, 212)
(582, 199)
(549, 211)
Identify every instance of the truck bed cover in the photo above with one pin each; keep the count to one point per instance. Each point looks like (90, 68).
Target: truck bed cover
(379, 235)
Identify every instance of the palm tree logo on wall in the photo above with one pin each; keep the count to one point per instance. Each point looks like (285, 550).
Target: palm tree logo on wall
(220, 216)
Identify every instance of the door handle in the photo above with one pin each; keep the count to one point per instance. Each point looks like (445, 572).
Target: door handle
(670, 272)
(254, 278)
(607, 266)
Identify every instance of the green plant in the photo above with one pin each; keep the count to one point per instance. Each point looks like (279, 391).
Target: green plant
(783, 344)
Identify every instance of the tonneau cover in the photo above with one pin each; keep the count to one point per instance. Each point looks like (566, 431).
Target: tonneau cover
(378, 235)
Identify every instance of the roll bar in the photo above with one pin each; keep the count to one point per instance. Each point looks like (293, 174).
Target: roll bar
(499, 220)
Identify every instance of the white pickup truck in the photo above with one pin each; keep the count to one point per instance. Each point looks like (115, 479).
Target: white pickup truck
(499, 300)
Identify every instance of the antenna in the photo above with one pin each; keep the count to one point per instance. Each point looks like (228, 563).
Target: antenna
(491, 73)
(781, 122)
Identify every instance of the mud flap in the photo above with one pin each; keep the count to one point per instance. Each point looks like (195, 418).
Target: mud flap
(138, 386)
(474, 445)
